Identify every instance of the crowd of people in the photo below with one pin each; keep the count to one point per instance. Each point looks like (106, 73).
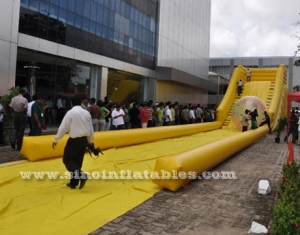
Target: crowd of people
(115, 116)
(39, 112)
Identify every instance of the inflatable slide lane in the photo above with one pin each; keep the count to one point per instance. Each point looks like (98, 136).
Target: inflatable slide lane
(267, 91)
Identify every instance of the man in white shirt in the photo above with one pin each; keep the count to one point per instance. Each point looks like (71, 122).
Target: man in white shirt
(248, 74)
(78, 124)
(117, 116)
(168, 116)
(34, 98)
(2, 110)
(192, 115)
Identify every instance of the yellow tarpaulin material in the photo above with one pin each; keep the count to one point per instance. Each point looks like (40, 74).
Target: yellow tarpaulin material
(49, 207)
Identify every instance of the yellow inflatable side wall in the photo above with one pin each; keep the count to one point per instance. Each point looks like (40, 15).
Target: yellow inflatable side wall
(205, 157)
(183, 165)
(37, 148)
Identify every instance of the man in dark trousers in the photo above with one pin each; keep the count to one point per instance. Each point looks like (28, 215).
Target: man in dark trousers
(266, 121)
(19, 104)
(78, 124)
(37, 116)
(292, 127)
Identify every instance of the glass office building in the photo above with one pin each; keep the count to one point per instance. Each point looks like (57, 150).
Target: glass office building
(124, 49)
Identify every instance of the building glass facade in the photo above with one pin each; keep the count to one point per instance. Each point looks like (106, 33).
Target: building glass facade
(52, 76)
(120, 29)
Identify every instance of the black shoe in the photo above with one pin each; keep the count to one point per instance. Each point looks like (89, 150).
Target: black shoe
(70, 186)
(13, 145)
(83, 181)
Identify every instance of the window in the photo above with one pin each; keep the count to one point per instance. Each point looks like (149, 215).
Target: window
(130, 42)
(123, 7)
(136, 16)
(100, 14)
(105, 16)
(86, 8)
(55, 2)
(152, 25)
(131, 29)
(118, 6)
(126, 40)
(121, 38)
(71, 18)
(78, 21)
(127, 11)
(117, 22)
(112, 5)
(110, 34)
(85, 24)
(99, 30)
(53, 11)
(93, 15)
(105, 32)
(71, 5)
(106, 3)
(44, 8)
(111, 21)
(116, 37)
(136, 29)
(79, 7)
(62, 16)
(24, 3)
(132, 13)
(140, 33)
(93, 27)
(63, 4)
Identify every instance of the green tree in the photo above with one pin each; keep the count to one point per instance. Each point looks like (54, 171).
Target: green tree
(297, 36)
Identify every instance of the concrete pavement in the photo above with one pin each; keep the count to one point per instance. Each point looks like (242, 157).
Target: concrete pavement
(212, 207)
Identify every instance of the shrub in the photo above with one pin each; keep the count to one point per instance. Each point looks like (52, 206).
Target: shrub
(286, 213)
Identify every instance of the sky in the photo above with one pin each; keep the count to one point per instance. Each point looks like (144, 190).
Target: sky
(251, 28)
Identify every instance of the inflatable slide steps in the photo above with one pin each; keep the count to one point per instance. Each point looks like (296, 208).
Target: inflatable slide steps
(270, 94)
(228, 118)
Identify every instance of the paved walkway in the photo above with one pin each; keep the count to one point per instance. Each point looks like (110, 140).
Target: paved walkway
(210, 207)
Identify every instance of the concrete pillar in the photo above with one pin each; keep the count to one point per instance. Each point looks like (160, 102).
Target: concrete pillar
(98, 82)
(9, 11)
(148, 89)
(102, 81)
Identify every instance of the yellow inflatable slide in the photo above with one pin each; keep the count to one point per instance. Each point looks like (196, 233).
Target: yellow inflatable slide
(36, 201)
